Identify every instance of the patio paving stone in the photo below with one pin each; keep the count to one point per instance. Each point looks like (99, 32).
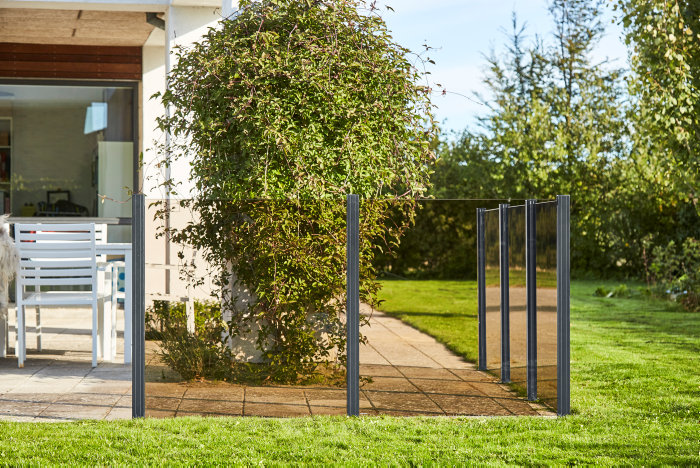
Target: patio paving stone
(332, 398)
(207, 407)
(517, 406)
(378, 370)
(277, 410)
(402, 401)
(275, 394)
(175, 390)
(75, 411)
(162, 403)
(398, 384)
(469, 406)
(452, 387)
(88, 399)
(413, 372)
(228, 392)
(124, 402)
(155, 413)
(22, 408)
(493, 389)
(472, 375)
(119, 413)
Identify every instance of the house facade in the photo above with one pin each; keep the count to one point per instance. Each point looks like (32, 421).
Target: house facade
(76, 114)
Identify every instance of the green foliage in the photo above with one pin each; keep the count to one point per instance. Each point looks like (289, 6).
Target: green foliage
(440, 244)
(555, 125)
(561, 124)
(281, 112)
(197, 355)
(621, 291)
(664, 39)
(676, 272)
(288, 100)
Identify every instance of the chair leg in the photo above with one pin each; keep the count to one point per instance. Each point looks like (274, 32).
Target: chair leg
(113, 310)
(94, 334)
(38, 328)
(103, 327)
(4, 331)
(21, 350)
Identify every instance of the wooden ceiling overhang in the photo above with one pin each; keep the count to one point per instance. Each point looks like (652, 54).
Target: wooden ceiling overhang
(78, 44)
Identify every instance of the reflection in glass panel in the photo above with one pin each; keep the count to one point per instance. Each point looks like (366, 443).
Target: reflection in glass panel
(493, 292)
(517, 296)
(547, 303)
(65, 149)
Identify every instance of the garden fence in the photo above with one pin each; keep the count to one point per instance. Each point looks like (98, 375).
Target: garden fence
(522, 255)
(524, 316)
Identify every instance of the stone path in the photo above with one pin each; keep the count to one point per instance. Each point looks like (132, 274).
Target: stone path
(411, 375)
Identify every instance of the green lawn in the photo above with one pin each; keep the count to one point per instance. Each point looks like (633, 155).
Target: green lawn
(635, 397)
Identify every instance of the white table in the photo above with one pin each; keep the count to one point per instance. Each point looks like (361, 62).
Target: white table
(122, 249)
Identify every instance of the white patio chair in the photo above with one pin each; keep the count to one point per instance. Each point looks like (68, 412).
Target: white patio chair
(53, 256)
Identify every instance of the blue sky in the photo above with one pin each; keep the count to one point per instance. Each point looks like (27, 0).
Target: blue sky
(463, 31)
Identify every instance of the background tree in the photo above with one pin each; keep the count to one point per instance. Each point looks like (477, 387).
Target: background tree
(664, 40)
(555, 124)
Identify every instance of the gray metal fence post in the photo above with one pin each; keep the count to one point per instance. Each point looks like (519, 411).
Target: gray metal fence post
(531, 291)
(481, 285)
(505, 293)
(563, 305)
(353, 305)
(138, 364)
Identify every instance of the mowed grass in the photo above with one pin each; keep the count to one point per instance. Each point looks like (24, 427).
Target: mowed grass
(635, 367)
(635, 397)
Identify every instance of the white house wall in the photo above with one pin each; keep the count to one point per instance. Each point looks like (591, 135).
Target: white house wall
(185, 24)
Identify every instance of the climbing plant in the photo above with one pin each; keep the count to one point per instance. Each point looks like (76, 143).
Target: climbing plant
(281, 111)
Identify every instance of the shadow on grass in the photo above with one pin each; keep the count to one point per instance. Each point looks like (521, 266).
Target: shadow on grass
(442, 315)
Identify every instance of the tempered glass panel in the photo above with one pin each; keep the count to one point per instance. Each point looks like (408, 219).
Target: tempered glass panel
(493, 292)
(243, 299)
(517, 296)
(427, 279)
(547, 303)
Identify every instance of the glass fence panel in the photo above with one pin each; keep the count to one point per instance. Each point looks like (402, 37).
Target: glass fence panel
(245, 307)
(493, 292)
(424, 257)
(517, 313)
(50, 349)
(546, 225)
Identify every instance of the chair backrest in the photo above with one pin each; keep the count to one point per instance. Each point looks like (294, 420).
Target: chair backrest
(54, 255)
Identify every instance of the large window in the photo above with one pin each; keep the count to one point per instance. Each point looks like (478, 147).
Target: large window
(65, 149)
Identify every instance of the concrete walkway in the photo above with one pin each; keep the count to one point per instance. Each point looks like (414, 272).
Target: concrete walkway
(407, 373)
(59, 383)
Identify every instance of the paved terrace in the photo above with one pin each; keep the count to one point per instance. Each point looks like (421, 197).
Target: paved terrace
(411, 375)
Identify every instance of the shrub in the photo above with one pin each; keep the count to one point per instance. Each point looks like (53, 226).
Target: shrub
(197, 355)
(282, 111)
(675, 271)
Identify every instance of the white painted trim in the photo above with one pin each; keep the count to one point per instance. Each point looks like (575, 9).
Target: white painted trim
(113, 5)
